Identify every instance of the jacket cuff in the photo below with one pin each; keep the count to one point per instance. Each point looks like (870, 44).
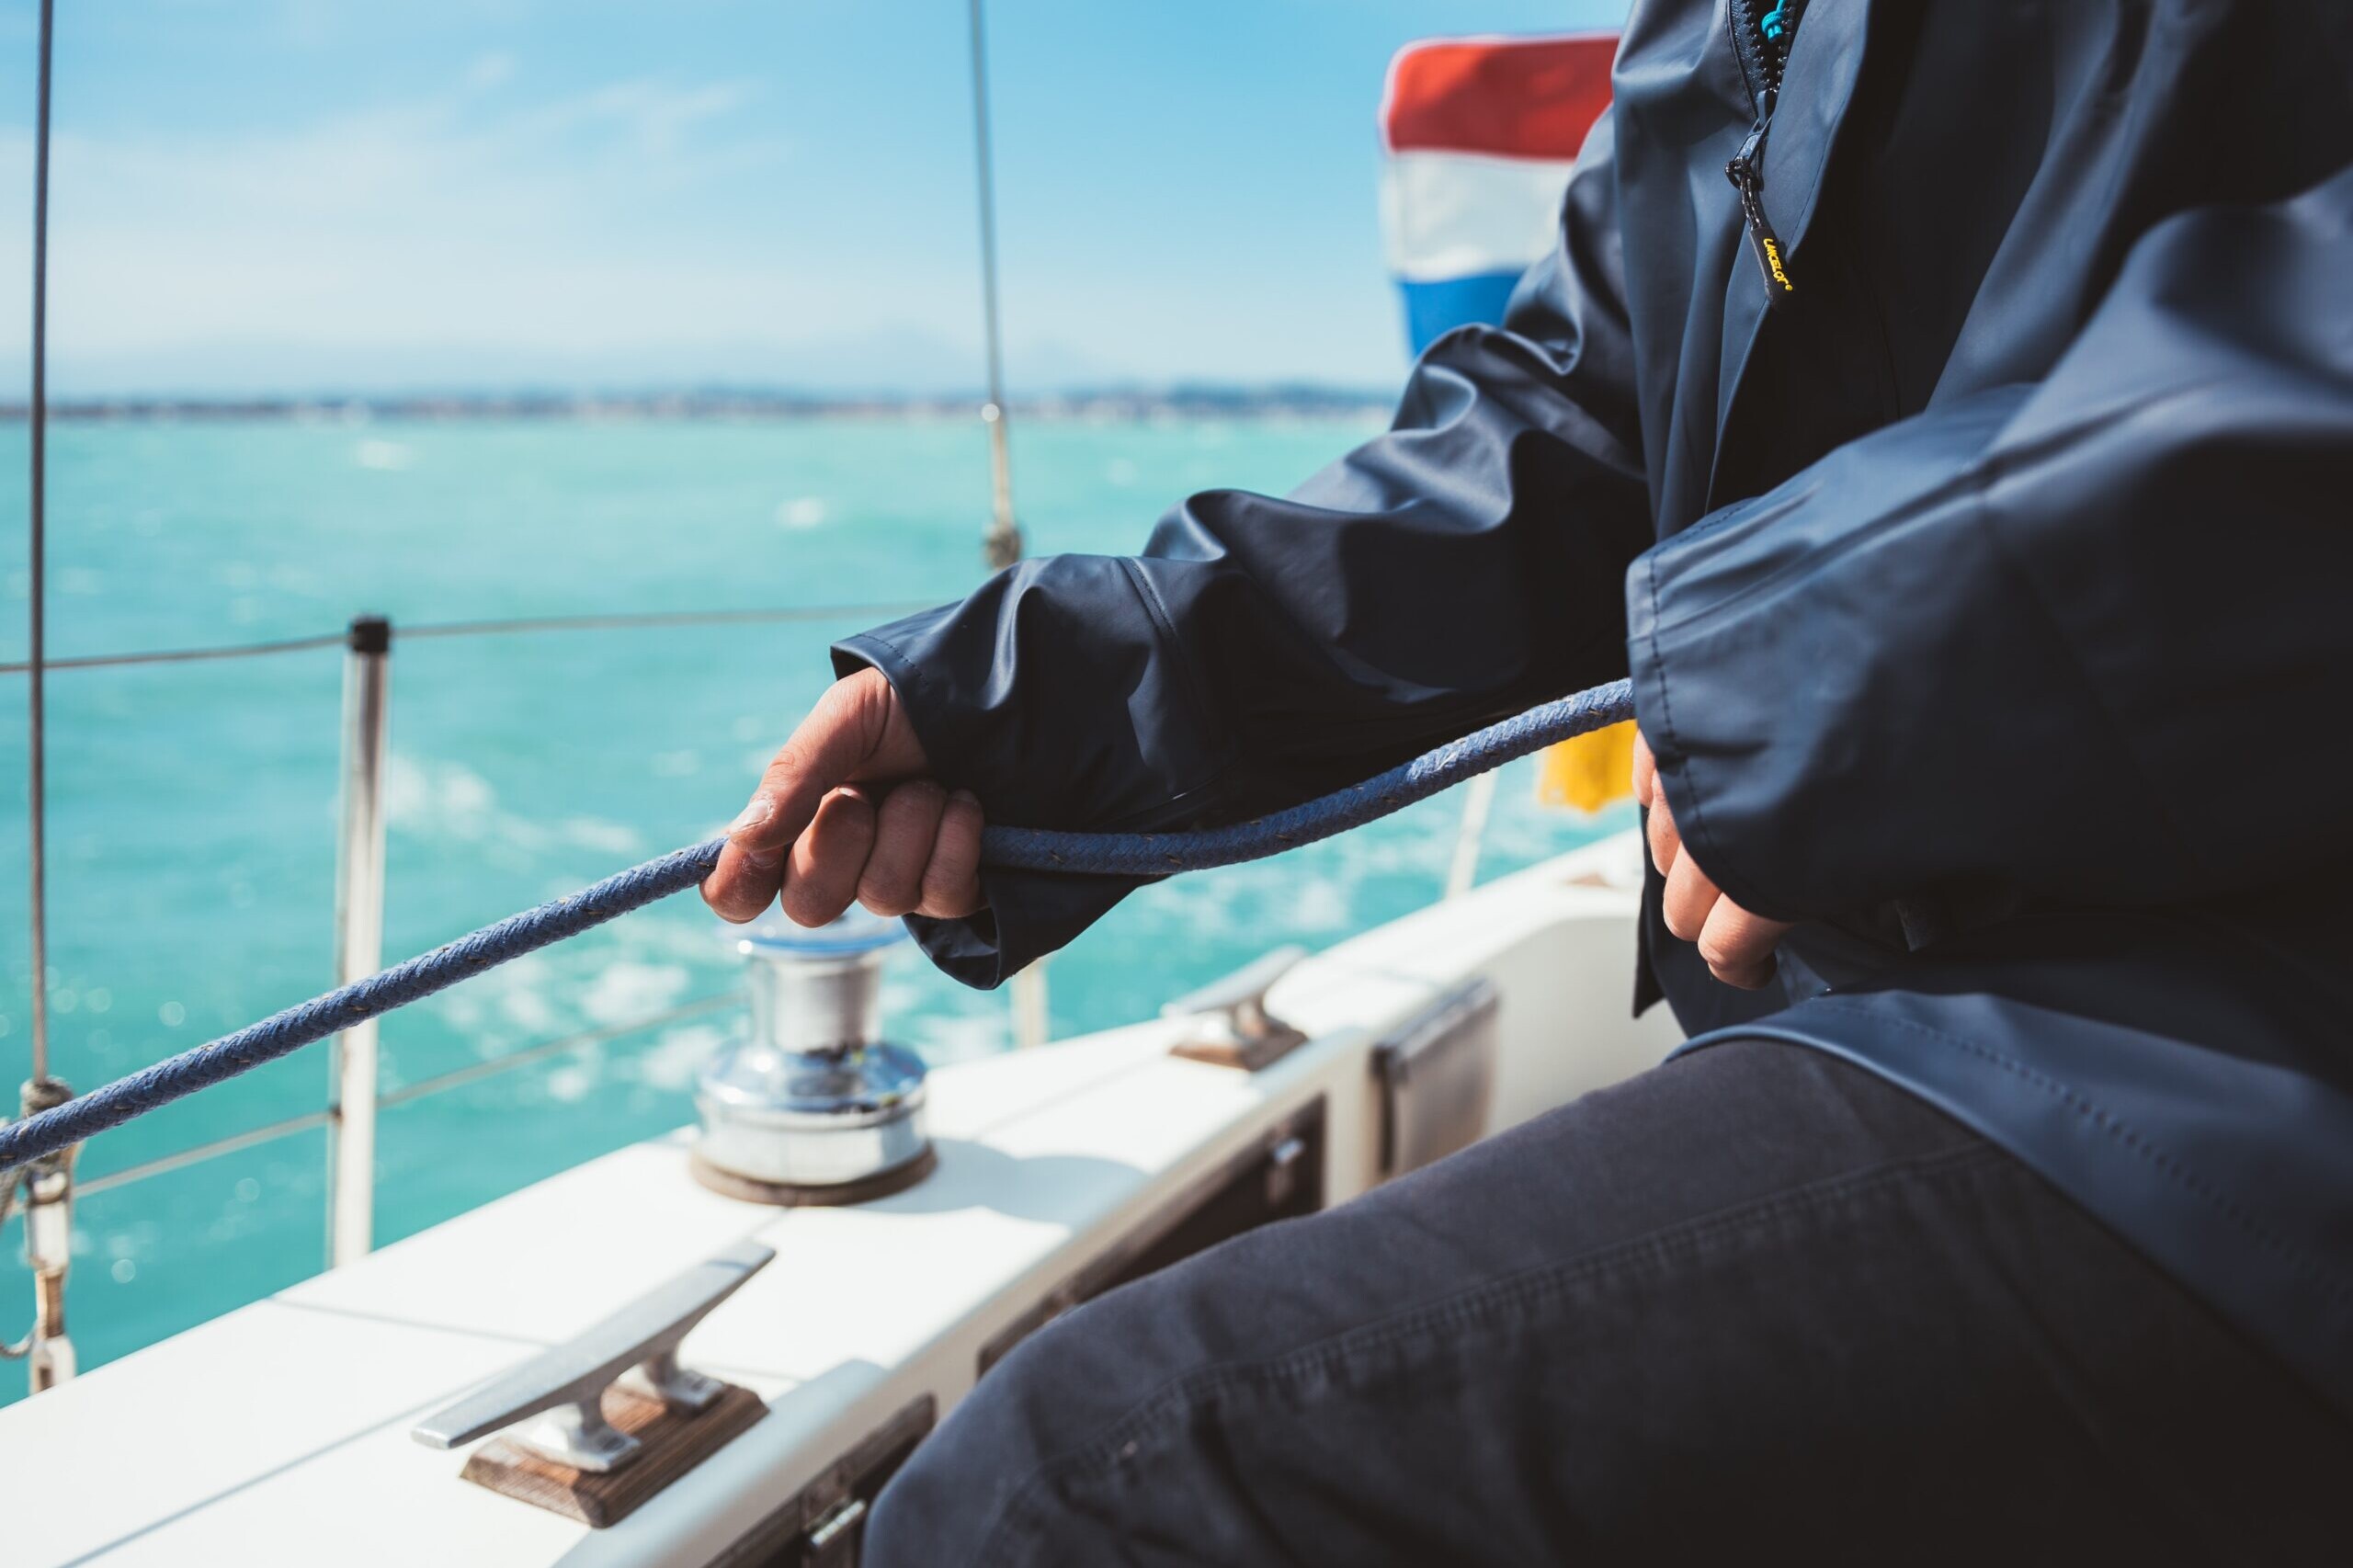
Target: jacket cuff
(1027, 913)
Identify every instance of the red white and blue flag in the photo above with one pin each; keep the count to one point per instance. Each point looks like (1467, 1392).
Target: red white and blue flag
(1480, 134)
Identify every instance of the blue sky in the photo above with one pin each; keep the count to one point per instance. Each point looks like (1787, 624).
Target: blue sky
(311, 195)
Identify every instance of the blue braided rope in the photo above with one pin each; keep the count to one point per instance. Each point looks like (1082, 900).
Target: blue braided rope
(1165, 854)
(1121, 854)
(282, 1033)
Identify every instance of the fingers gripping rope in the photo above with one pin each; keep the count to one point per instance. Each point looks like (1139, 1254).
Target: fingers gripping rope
(1100, 854)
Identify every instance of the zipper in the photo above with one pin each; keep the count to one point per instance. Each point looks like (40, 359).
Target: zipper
(1760, 38)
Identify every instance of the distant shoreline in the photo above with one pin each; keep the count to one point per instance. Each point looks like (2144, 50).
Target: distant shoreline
(1112, 404)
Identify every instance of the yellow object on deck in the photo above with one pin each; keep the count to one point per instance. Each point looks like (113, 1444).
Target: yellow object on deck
(1589, 771)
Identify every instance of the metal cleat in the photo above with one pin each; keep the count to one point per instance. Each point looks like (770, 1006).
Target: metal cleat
(1231, 1025)
(563, 1387)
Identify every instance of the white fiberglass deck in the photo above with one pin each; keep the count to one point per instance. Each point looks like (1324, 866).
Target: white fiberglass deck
(279, 1433)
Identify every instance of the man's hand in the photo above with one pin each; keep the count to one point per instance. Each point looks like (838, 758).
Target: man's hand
(815, 833)
(1737, 945)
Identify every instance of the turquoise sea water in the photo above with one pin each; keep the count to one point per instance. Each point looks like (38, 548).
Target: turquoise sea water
(192, 806)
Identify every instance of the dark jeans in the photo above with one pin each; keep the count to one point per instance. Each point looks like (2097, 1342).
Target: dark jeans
(1755, 1304)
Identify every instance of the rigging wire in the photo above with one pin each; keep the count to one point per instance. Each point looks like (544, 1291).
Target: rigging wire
(624, 620)
(36, 792)
(1003, 547)
(183, 655)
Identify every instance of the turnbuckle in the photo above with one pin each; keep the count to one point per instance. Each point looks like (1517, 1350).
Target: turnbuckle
(47, 1186)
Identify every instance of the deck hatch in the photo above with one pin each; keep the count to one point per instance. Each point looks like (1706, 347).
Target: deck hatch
(1437, 1078)
(1278, 1177)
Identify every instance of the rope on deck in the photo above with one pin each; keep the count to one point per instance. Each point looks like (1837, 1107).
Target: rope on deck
(1115, 854)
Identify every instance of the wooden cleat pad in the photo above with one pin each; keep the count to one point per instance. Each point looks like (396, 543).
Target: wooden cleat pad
(672, 1442)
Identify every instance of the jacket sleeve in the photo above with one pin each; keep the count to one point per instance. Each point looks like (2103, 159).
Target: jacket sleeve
(1258, 652)
(2084, 643)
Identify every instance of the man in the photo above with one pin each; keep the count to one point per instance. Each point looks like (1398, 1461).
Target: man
(1964, 483)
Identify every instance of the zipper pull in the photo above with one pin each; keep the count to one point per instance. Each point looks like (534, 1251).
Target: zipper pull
(1763, 243)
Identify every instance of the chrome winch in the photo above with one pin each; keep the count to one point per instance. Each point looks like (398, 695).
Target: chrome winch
(813, 1108)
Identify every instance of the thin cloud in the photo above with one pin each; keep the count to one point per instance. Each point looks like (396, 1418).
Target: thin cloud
(489, 71)
(586, 223)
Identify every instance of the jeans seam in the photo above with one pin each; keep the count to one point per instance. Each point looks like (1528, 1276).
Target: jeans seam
(1515, 1290)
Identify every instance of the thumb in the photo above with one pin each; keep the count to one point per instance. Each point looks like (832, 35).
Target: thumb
(854, 731)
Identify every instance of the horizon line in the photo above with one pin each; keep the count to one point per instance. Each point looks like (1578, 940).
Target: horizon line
(1270, 398)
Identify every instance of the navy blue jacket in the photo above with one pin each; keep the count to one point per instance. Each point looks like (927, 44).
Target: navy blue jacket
(1989, 598)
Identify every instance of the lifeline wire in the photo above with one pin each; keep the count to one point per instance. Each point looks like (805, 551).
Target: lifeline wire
(37, 784)
(1099, 853)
